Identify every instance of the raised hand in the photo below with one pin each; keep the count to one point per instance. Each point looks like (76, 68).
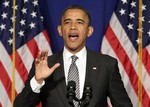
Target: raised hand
(42, 71)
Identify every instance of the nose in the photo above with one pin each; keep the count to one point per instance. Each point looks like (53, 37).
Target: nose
(73, 26)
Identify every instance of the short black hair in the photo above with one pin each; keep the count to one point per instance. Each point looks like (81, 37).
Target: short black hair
(77, 7)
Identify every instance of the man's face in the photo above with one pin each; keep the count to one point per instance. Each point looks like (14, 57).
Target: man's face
(74, 29)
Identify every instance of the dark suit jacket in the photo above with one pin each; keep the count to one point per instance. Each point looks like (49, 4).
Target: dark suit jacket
(105, 79)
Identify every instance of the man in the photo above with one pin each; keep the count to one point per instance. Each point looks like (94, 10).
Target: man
(48, 77)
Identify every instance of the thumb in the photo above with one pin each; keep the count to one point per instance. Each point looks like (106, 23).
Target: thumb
(52, 69)
(55, 66)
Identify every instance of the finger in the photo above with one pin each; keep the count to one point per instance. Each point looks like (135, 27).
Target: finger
(46, 55)
(39, 58)
(55, 66)
(42, 55)
(39, 55)
(37, 61)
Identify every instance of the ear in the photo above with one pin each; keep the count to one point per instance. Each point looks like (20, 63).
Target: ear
(90, 31)
(59, 30)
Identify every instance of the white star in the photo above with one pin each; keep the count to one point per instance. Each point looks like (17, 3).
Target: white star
(10, 41)
(22, 22)
(124, 1)
(132, 15)
(122, 12)
(143, 7)
(33, 14)
(148, 33)
(15, 7)
(2, 26)
(25, 1)
(133, 4)
(140, 29)
(35, 3)
(13, 18)
(42, 18)
(130, 26)
(32, 25)
(142, 18)
(4, 15)
(148, 21)
(137, 41)
(6, 3)
(11, 30)
(21, 33)
(24, 10)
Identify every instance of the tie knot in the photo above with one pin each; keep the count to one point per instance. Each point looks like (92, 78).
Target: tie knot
(74, 58)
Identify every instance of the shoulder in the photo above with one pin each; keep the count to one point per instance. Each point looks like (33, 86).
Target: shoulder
(55, 58)
(56, 55)
(101, 58)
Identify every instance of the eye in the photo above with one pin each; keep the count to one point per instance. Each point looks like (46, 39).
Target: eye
(67, 21)
(80, 22)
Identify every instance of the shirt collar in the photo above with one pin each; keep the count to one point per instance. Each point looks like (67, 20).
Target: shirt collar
(81, 54)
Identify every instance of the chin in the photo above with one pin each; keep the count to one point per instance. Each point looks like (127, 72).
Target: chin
(73, 49)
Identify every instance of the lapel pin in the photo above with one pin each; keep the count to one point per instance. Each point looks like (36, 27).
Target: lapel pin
(94, 68)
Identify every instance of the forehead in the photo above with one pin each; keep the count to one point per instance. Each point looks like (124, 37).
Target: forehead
(74, 13)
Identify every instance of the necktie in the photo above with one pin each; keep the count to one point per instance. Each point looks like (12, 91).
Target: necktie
(73, 75)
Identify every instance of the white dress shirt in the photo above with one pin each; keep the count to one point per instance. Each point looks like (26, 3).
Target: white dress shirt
(81, 64)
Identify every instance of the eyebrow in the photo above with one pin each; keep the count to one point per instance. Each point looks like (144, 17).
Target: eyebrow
(77, 20)
(66, 20)
(81, 20)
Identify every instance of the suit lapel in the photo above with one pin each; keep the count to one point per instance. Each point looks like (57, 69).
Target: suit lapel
(92, 68)
(59, 78)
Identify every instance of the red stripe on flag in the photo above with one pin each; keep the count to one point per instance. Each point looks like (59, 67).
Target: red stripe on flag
(146, 60)
(19, 65)
(5, 80)
(33, 47)
(127, 64)
(0, 104)
(46, 36)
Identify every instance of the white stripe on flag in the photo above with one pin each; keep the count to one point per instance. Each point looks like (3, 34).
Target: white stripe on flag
(7, 63)
(124, 76)
(43, 43)
(26, 56)
(148, 49)
(5, 101)
(128, 48)
(124, 40)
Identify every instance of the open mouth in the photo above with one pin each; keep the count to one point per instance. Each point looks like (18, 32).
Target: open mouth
(73, 37)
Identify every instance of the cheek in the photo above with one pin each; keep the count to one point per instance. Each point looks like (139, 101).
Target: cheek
(64, 36)
(84, 34)
(83, 38)
(64, 31)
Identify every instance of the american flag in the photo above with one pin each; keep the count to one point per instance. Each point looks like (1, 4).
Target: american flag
(122, 40)
(30, 37)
